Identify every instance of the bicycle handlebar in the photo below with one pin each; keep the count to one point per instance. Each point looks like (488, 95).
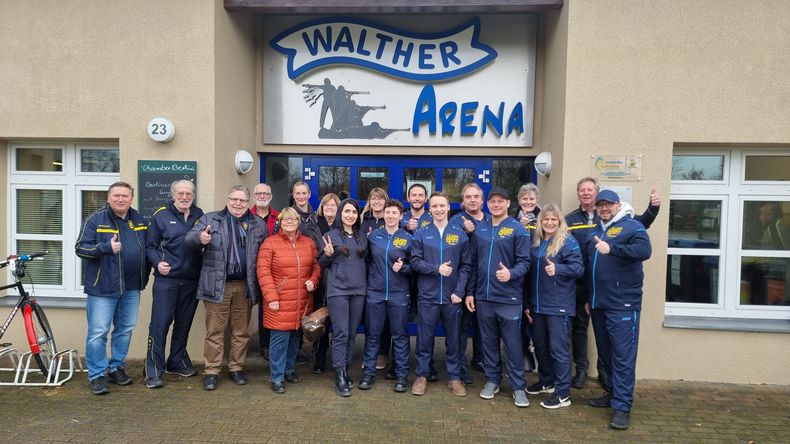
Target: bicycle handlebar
(22, 258)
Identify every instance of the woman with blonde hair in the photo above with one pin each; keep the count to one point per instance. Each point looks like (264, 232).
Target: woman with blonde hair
(556, 264)
(372, 217)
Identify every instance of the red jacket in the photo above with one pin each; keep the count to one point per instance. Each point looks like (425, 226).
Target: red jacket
(283, 269)
(271, 218)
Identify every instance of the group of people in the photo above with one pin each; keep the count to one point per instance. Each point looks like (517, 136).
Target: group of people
(536, 276)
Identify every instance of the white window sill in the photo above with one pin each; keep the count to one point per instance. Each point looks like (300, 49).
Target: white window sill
(728, 324)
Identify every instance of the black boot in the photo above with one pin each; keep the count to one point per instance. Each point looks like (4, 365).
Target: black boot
(349, 382)
(341, 387)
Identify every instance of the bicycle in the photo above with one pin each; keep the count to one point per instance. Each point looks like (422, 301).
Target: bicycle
(37, 329)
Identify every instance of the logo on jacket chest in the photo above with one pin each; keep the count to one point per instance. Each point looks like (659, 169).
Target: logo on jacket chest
(505, 232)
(451, 239)
(613, 231)
(399, 242)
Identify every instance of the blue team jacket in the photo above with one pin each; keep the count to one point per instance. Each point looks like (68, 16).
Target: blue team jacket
(509, 243)
(345, 275)
(615, 279)
(555, 295)
(165, 242)
(422, 222)
(384, 250)
(429, 251)
(456, 219)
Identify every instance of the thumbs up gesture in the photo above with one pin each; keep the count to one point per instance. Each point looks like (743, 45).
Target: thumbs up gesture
(115, 243)
(205, 235)
(550, 269)
(601, 246)
(503, 273)
(468, 225)
(655, 199)
(445, 269)
(397, 265)
(412, 224)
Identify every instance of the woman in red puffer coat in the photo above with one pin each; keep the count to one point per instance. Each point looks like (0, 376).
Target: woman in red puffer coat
(288, 273)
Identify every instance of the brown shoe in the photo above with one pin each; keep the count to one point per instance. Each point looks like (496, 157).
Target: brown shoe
(457, 387)
(382, 361)
(418, 388)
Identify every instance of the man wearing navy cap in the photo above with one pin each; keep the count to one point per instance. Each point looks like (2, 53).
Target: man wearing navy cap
(500, 258)
(615, 250)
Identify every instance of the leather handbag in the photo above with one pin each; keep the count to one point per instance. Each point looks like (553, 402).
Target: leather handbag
(314, 324)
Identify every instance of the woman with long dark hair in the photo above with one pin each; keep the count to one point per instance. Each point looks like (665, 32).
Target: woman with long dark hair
(343, 258)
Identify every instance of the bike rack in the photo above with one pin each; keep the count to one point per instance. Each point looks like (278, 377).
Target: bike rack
(57, 374)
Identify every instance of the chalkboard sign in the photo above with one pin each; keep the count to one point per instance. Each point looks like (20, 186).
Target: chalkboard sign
(153, 182)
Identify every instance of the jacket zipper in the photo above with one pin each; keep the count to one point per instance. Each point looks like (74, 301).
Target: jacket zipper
(386, 269)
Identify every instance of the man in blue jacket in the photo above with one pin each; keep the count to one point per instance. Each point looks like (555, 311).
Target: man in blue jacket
(112, 247)
(500, 250)
(581, 222)
(615, 252)
(440, 257)
(176, 274)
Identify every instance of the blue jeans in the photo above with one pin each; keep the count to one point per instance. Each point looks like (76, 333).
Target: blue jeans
(103, 312)
(283, 346)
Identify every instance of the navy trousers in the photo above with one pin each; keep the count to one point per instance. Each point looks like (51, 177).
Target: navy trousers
(617, 339)
(379, 317)
(551, 337)
(346, 313)
(429, 316)
(174, 302)
(501, 321)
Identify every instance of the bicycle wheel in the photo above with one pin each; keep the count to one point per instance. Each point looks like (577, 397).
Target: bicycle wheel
(39, 335)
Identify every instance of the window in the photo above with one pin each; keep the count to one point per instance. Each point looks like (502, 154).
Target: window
(729, 235)
(52, 189)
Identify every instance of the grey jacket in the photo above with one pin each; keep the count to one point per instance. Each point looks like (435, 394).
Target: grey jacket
(211, 285)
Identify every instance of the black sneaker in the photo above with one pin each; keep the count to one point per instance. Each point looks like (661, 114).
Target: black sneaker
(154, 382)
(99, 386)
(538, 388)
(389, 373)
(479, 366)
(278, 387)
(620, 420)
(556, 402)
(118, 376)
(319, 367)
(401, 385)
(210, 382)
(185, 372)
(603, 402)
(292, 378)
(238, 377)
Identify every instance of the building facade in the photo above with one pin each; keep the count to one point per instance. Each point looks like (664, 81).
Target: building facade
(691, 98)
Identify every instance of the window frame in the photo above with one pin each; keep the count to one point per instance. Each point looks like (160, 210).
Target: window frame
(734, 191)
(71, 181)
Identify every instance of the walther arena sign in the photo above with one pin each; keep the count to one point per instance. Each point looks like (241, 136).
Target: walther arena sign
(399, 80)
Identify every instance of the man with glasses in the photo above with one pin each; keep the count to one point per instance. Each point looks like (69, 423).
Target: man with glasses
(229, 240)
(615, 251)
(176, 273)
(262, 195)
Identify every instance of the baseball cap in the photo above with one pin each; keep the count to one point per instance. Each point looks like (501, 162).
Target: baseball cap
(608, 196)
(500, 191)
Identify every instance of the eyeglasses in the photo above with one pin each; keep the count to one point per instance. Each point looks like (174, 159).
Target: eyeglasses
(262, 194)
(290, 219)
(237, 200)
(604, 204)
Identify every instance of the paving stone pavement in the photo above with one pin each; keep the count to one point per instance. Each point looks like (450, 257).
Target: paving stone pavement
(664, 411)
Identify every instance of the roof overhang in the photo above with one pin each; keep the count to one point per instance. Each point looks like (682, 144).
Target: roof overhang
(390, 6)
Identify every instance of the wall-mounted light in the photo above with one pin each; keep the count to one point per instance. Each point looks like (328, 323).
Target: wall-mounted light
(161, 130)
(243, 162)
(543, 163)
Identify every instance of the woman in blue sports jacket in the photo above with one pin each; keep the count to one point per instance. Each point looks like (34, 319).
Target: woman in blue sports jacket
(440, 257)
(388, 295)
(557, 263)
(343, 259)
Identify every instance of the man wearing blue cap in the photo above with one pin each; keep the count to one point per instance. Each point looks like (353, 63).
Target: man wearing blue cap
(615, 250)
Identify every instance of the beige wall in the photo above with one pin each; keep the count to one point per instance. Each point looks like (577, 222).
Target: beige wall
(643, 75)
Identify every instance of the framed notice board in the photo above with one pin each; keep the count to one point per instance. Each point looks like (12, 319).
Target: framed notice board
(153, 182)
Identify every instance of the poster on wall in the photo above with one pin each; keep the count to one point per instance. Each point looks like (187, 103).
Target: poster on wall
(617, 167)
(153, 182)
(399, 80)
